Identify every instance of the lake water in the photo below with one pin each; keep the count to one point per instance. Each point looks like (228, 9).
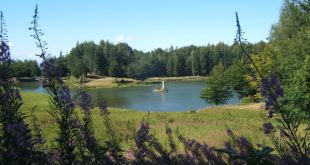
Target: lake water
(181, 96)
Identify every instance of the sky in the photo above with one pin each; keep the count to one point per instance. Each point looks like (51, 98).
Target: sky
(143, 24)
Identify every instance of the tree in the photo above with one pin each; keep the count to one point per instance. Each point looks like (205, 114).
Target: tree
(101, 59)
(299, 93)
(236, 78)
(79, 69)
(217, 90)
(26, 68)
(62, 65)
(195, 62)
(115, 69)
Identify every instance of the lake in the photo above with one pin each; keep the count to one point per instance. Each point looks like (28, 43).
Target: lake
(181, 96)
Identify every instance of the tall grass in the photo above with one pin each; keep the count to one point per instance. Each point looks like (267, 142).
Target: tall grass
(207, 126)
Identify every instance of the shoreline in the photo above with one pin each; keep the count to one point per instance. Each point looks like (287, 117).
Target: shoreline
(109, 82)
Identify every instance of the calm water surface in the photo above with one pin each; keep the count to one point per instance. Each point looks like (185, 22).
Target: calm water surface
(181, 96)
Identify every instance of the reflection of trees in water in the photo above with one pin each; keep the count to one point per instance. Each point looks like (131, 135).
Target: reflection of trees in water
(29, 85)
(98, 96)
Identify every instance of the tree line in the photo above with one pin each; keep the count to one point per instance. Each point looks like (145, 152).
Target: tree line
(26, 68)
(121, 60)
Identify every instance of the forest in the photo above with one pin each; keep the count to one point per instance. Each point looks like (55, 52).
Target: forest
(121, 60)
(276, 74)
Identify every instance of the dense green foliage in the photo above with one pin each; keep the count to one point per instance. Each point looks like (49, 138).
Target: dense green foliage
(290, 41)
(121, 60)
(26, 68)
(217, 90)
(286, 54)
(224, 80)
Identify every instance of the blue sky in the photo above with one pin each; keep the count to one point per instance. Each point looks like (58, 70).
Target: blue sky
(144, 25)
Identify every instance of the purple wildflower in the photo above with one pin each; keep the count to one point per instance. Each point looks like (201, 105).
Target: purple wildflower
(103, 108)
(230, 132)
(276, 83)
(244, 142)
(228, 145)
(168, 131)
(65, 98)
(75, 124)
(268, 128)
(271, 90)
(142, 134)
(38, 140)
(270, 114)
(85, 102)
(19, 133)
(53, 157)
(50, 71)
(5, 56)
(9, 127)
(283, 162)
(17, 95)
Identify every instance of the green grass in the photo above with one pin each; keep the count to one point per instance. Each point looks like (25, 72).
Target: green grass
(207, 126)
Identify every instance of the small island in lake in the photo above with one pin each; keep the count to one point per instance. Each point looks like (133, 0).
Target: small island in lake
(162, 89)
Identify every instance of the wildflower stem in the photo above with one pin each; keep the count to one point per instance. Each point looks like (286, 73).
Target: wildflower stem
(287, 122)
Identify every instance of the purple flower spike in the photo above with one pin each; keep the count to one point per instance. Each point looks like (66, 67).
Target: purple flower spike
(268, 128)
(271, 90)
(50, 71)
(104, 107)
(65, 99)
(85, 103)
(17, 95)
(270, 114)
(168, 131)
(5, 56)
(230, 132)
(142, 134)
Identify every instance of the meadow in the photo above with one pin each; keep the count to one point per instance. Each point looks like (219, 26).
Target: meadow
(207, 126)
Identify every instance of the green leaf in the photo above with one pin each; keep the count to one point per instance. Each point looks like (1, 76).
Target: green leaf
(264, 152)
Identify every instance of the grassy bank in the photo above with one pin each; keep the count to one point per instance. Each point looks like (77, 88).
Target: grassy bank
(111, 82)
(184, 78)
(208, 125)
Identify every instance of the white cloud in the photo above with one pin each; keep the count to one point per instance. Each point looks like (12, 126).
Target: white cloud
(122, 38)
(11, 44)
